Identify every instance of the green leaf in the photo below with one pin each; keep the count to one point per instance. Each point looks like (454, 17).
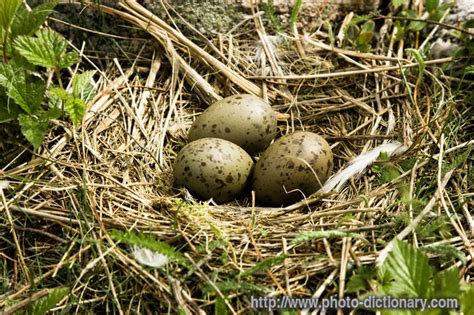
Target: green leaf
(34, 129)
(8, 10)
(271, 15)
(148, 241)
(385, 281)
(221, 307)
(436, 15)
(469, 24)
(397, 3)
(27, 95)
(368, 26)
(432, 5)
(52, 113)
(46, 303)
(419, 59)
(469, 70)
(356, 20)
(263, 265)
(388, 172)
(356, 283)
(410, 269)
(8, 110)
(56, 97)
(363, 41)
(212, 245)
(82, 87)
(467, 300)
(68, 59)
(414, 25)
(47, 49)
(28, 22)
(76, 108)
(446, 283)
(360, 280)
(315, 235)
(295, 12)
(59, 93)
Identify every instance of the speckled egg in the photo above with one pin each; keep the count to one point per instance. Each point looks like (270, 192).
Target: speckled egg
(294, 166)
(243, 119)
(213, 168)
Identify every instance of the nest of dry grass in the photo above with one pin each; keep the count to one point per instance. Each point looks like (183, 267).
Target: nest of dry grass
(115, 173)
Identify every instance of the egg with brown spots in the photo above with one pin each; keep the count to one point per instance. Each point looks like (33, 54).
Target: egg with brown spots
(294, 166)
(213, 168)
(243, 119)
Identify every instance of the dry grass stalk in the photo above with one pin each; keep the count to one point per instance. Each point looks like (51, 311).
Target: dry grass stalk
(115, 173)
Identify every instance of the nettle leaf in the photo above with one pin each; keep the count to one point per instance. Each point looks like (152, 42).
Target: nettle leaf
(82, 87)
(69, 59)
(8, 109)
(446, 283)
(360, 280)
(467, 300)
(52, 113)
(28, 22)
(356, 283)
(28, 95)
(6, 74)
(47, 49)
(56, 96)
(46, 303)
(8, 10)
(34, 129)
(410, 269)
(59, 93)
(76, 108)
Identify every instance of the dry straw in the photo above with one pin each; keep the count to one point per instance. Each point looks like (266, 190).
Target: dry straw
(115, 171)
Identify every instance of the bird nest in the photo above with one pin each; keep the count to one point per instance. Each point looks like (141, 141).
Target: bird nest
(87, 185)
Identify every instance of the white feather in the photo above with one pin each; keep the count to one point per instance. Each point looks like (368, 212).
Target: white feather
(148, 257)
(4, 184)
(360, 164)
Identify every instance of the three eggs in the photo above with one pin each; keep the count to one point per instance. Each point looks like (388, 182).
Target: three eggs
(218, 164)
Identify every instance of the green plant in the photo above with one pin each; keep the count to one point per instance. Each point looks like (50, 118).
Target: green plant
(272, 16)
(42, 305)
(412, 21)
(147, 241)
(360, 32)
(29, 54)
(407, 273)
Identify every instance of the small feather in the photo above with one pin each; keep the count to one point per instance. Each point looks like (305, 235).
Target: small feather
(148, 257)
(4, 184)
(360, 164)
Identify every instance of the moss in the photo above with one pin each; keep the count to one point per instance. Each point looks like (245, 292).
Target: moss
(209, 16)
